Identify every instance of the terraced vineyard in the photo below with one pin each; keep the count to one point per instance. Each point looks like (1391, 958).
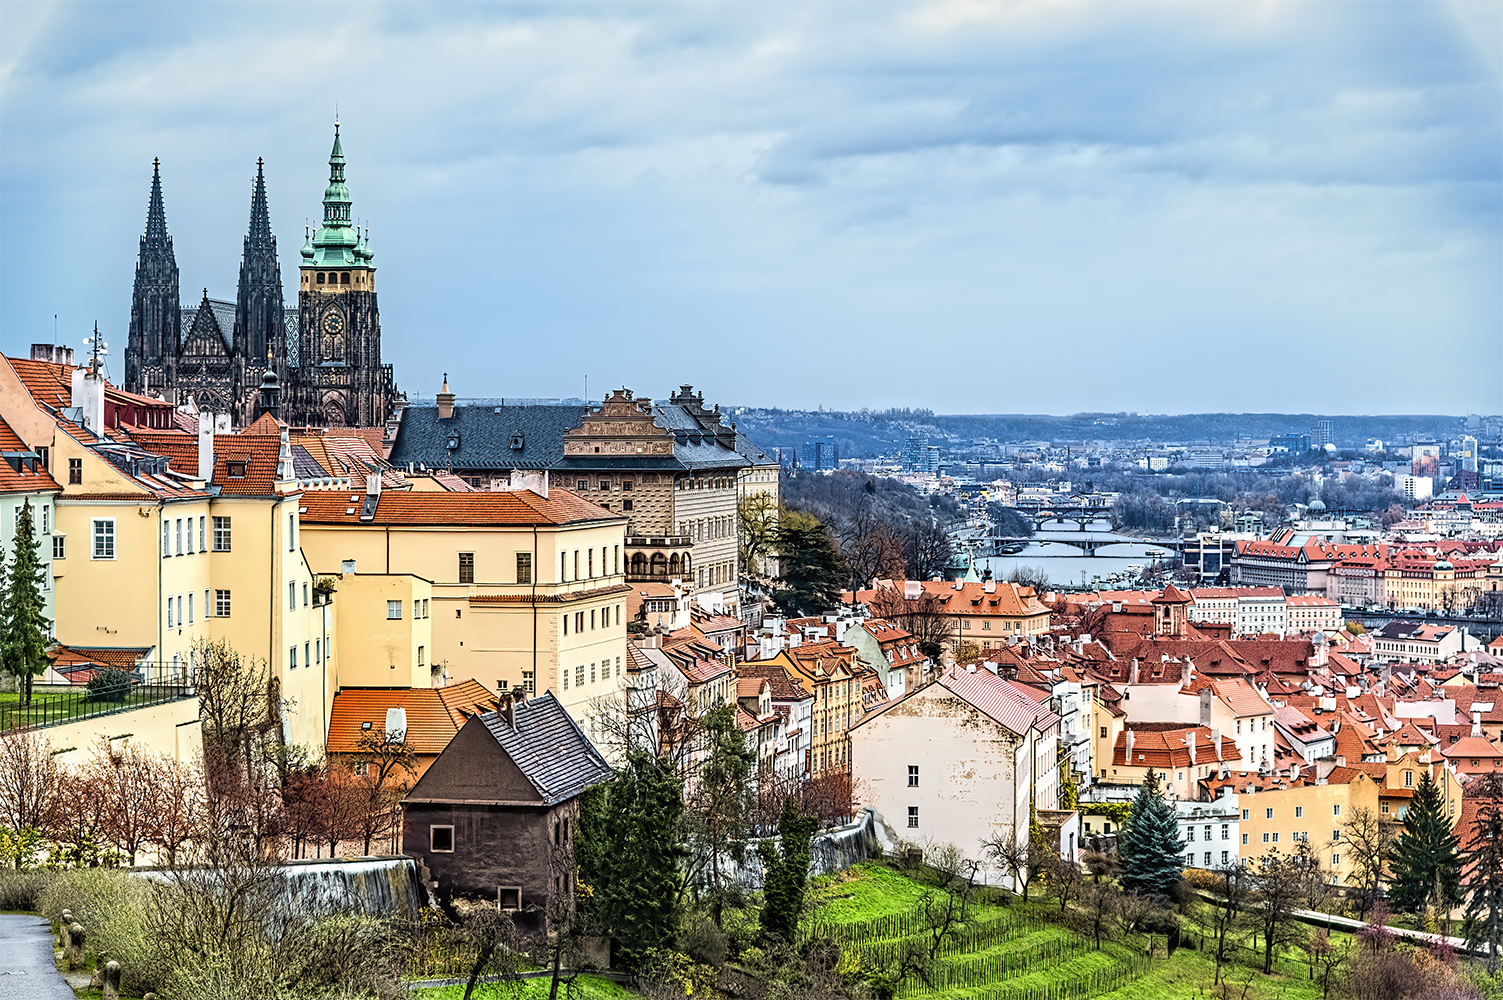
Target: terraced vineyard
(1002, 952)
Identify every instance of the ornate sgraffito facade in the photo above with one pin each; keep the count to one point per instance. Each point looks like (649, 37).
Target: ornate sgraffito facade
(325, 351)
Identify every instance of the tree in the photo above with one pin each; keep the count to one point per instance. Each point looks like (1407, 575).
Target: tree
(928, 550)
(719, 809)
(1022, 858)
(1150, 845)
(1368, 842)
(379, 770)
(756, 531)
(31, 786)
(813, 570)
(629, 851)
(1226, 915)
(785, 868)
(1277, 883)
(498, 946)
(26, 627)
(1482, 865)
(127, 778)
(1426, 858)
(1065, 879)
(177, 804)
(922, 617)
(1099, 901)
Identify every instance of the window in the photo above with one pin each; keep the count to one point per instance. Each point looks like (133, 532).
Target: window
(221, 534)
(524, 567)
(1335, 860)
(565, 674)
(1265, 838)
(566, 624)
(221, 604)
(1208, 859)
(1225, 857)
(169, 613)
(1299, 812)
(292, 658)
(166, 538)
(441, 841)
(576, 564)
(420, 658)
(305, 595)
(579, 675)
(75, 471)
(626, 485)
(1335, 835)
(292, 596)
(1268, 814)
(1275, 838)
(509, 897)
(529, 681)
(1190, 835)
(104, 538)
(626, 504)
(590, 563)
(592, 672)
(913, 816)
(190, 608)
(417, 609)
(1409, 778)
(563, 566)
(1244, 840)
(203, 541)
(584, 486)
(467, 567)
(425, 607)
(292, 532)
(59, 546)
(393, 610)
(1336, 809)
(912, 775)
(1226, 831)
(235, 470)
(1384, 808)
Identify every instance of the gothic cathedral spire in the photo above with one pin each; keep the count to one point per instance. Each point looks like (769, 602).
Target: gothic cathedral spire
(260, 330)
(155, 320)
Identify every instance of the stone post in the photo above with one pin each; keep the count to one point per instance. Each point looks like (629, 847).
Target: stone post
(73, 951)
(112, 980)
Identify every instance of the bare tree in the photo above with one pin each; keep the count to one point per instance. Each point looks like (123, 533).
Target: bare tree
(923, 617)
(127, 776)
(380, 768)
(1368, 841)
(1226, 915)
(30, 789)
(1099, 901)
(177, 808)
(1065, 879)
(1022, 858)
(1277, 882)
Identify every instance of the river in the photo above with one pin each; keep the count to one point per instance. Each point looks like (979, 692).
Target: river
(1067, 566)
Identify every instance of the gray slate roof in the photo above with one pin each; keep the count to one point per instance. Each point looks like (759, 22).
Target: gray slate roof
(549, 748)
(222, 311)
(486, 432)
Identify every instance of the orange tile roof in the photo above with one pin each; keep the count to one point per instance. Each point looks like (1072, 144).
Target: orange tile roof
(520, 508)
(434, 715)
(27, 474)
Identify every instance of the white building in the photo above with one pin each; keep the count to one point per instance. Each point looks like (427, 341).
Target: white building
(960, 760)
(1211, 832)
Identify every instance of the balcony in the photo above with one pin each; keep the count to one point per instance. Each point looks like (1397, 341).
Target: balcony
(658, 558)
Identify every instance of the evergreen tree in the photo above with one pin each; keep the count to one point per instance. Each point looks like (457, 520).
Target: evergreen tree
(1425, 857)
(812, 567)
(26, 627)
(629, 854)
(718, 814)
(1483, 863)
(1151, 849)
(786, 871)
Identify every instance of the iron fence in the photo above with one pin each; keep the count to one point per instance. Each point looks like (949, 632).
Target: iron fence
(47, 709)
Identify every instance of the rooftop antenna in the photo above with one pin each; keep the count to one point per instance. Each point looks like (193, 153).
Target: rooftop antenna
(98, 350)
(587, 388)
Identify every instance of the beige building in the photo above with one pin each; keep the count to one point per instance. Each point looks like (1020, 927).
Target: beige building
(1279, 814)
(829, 671)
(513, 588)
(962, 759)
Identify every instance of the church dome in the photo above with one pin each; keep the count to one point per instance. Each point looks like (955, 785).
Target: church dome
(1444, 564)
(1317, 506)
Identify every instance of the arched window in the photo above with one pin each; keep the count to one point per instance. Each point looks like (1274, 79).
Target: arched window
(638, 564)
(673, 564)
(688, 570)
(659, 564)
(320, 277)
(344, 277)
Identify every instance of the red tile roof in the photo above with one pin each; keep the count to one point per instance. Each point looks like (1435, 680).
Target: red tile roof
(521, 508)
(434, 715)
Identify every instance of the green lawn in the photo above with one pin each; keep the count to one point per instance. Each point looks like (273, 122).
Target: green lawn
(58, 703)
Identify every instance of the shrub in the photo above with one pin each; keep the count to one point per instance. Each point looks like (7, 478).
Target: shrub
(109, 685)
(19, 890)
(702, 941)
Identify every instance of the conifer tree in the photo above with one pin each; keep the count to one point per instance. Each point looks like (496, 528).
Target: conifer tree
(633, 870)
(813, 568)
(786, 867)
(1151, 849)
(26, 627)
(1483, 864)
(1425, 857)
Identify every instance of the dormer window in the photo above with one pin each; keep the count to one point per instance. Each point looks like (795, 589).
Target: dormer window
(516, 442)
(453, 442)
(235, 470)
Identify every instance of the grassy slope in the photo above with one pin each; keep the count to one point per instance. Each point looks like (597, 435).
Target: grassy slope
(869, 892)
(588, 987)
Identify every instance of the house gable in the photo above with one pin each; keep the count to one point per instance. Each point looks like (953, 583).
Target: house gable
(474, 768)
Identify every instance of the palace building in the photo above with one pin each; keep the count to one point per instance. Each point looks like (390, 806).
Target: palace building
(325, 350)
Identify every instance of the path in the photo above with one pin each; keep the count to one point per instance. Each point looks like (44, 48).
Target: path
(27, 968)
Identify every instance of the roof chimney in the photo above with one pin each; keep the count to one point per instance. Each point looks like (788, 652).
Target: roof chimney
(206, 446)
(1216, 738)
(372, 496)
(1129, 746)
(1190, 742)
(445, 400)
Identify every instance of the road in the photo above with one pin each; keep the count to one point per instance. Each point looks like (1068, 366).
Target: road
(27, 968)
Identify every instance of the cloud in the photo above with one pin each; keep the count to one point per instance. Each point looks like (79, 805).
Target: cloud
(779, 202)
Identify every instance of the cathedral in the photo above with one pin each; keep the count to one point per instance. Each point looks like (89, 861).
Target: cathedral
(325, 351)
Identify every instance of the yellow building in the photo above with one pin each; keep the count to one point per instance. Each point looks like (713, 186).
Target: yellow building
(1282, 813)
(513, 588)
(829, 672)
(163, 548)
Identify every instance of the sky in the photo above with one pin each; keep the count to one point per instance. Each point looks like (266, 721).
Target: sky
(1018, 206)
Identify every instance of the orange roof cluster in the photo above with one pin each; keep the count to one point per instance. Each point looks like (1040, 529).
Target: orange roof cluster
(21, 471)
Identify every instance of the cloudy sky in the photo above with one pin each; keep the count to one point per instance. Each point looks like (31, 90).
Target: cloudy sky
(975, 207)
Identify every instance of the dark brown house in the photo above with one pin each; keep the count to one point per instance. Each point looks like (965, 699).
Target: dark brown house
(494, 816)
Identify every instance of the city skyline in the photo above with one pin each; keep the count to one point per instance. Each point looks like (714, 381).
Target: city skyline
(1166, 208)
